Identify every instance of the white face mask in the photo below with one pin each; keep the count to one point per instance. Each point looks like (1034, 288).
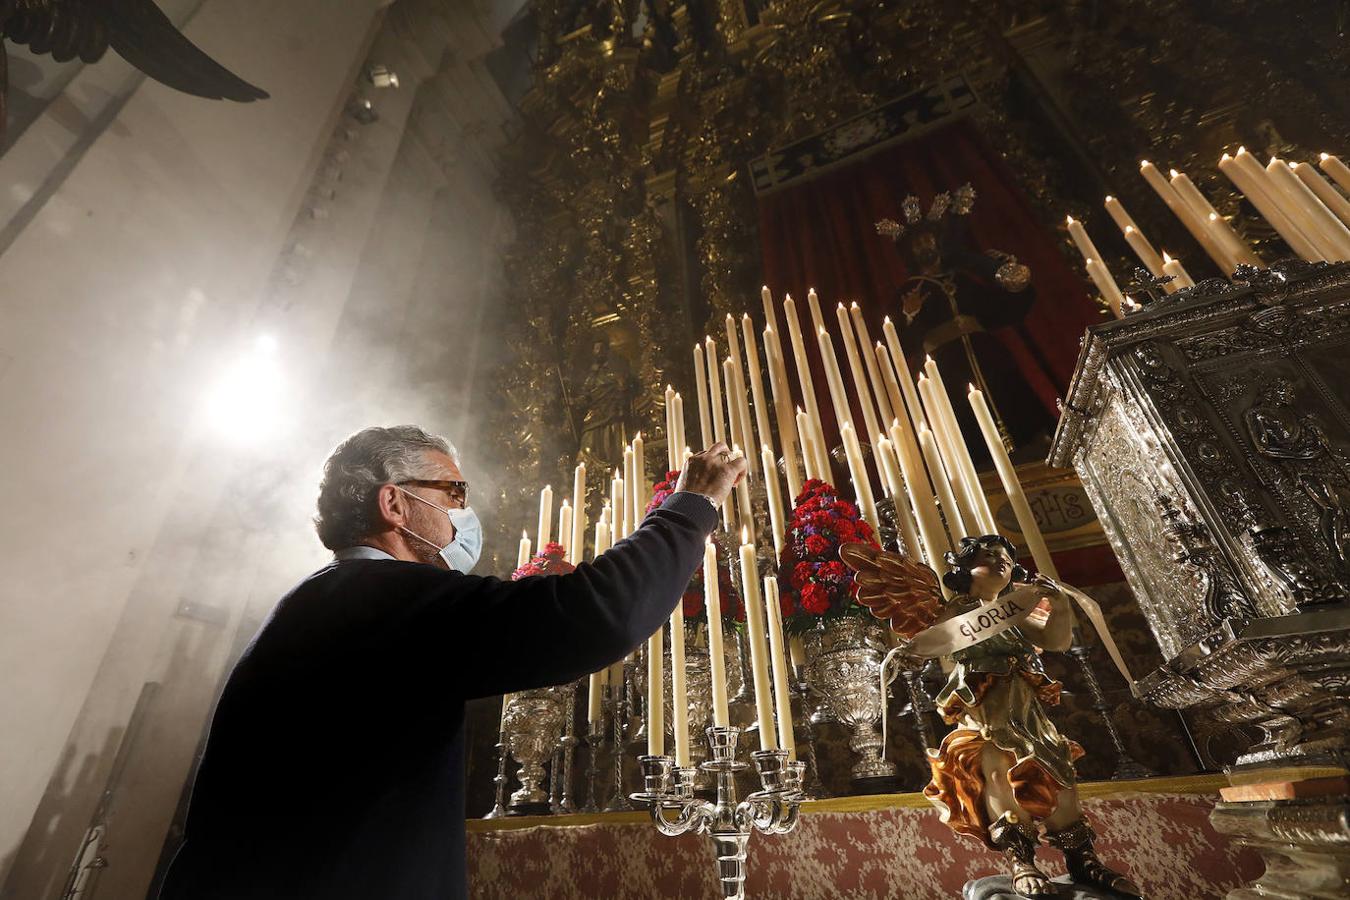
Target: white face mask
(461, 554)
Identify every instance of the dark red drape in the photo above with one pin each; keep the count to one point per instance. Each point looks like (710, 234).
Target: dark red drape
(822, 234)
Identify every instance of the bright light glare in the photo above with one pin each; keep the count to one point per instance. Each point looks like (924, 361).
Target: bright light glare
(244, 404)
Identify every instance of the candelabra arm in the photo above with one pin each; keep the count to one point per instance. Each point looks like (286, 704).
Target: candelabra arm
(689, 818)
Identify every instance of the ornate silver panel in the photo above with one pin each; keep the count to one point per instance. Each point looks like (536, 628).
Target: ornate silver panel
(1212, 433)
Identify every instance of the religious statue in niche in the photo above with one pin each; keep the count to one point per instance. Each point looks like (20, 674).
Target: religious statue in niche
(1296, 442)
(1005, 773)
(954, 297)
(603, 409)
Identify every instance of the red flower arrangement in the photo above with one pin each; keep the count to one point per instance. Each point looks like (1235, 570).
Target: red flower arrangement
(552, 560)
(815, 582)
(733, 609)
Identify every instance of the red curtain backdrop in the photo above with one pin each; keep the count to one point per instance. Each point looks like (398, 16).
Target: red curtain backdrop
(821, 234)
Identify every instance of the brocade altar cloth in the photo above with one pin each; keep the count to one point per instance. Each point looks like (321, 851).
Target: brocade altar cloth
(850, 848)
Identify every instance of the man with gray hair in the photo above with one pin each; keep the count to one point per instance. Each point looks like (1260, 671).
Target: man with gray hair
(334, 765)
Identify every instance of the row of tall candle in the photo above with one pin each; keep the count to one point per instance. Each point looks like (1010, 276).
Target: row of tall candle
(920, 460)
(923, 465)
(1306, 210)
(919, 456)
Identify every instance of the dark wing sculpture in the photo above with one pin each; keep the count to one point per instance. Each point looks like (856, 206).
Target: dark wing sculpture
(895, 587)
(137, 29)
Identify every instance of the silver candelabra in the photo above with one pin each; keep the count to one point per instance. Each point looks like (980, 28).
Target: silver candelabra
(669, 794)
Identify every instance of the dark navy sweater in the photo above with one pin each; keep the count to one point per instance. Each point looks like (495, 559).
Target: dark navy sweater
(334, 765)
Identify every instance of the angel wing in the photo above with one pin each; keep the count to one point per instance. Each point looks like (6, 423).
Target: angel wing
(895, 587)
(140, 33)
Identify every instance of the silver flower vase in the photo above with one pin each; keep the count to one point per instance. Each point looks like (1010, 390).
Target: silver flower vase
(532, 727)
(845, 670)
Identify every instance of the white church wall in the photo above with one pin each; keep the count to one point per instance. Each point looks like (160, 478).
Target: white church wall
(126, 293)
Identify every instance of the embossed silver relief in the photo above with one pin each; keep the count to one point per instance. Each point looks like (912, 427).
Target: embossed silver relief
(1212, 435)
(1295, 441)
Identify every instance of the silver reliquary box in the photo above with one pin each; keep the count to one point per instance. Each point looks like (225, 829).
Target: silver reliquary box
(1211, 430)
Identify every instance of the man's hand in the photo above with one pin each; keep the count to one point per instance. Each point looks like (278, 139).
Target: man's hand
(712, 473)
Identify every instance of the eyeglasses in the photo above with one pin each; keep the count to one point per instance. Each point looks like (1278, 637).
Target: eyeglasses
(457, 490)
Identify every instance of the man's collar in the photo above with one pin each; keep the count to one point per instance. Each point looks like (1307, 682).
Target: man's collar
(360, 551)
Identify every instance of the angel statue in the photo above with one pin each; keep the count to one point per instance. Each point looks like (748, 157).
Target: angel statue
(138, 30)
(1004, 773)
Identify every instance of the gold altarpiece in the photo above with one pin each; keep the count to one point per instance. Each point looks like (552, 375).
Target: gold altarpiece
(629, 178)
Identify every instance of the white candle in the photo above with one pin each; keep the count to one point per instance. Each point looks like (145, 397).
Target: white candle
(716, 654)
(834, 379)
(523, 553)
(1234, 250)
(776, 518)
(1332, 198)
(679, 697)
(672, 446)
(616, 501)
(565, 528)
(855, 367)
(807, 438)
(805, 381)
(1144, 250)
(1253, 185)
(782, 400)
(884, 408)
(885, 452)
(1294, 220)
(679, 430)
(642, 484)
(1312, 214)
(1026, 521)
(934, 538)
(595, 696)
(701, 387)
(1106, 286)
(906, 445)
(1336, 169)
(545, 515)
(965, 465)
(903, 374)
(578, 539)
(759, 650)
(780, 387)
(1134, 237)
(629, 489)
(764, 433)
(733, 413)
(1081, 239)
(1173, 267)
(656, 713)
(782, 688)
(941, 484)
(813, 301)
(745, 510)
(738, 389)
(714, 389)
(967, 522)
(1198, 228)
(862, 485)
